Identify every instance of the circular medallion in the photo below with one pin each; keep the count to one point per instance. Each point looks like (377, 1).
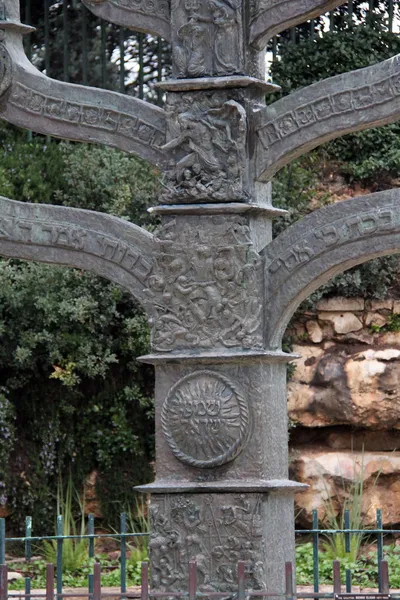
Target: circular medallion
(205, 419)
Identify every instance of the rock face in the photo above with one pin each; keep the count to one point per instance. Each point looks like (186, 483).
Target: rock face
(331, 476)
(344, 398)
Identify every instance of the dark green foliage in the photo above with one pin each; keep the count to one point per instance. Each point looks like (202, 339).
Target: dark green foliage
(73, 396)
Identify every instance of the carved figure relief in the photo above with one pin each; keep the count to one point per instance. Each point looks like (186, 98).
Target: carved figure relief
(207, 134)
(5, 67)
(205, 289)
(208, 37)
(205, 419)
(216, 531)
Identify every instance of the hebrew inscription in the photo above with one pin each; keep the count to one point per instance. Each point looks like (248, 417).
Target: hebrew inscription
(325, 243)
(207, 37)
(205, 289)
(207, 137)
(216, 531)
(77, 238)
(89, 115)
(269, 17)
(205, 419)
(74, 112)
(149, 16)
(325, 110)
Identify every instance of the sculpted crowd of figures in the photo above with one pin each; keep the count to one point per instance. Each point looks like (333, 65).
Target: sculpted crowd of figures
(217, 290)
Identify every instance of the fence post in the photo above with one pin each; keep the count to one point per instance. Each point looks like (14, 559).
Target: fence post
(337, 586)
(60, 542)
(289, 581)
(2, 541)
(192, 580)
(50, 582)
(315, 551)
(3, 582)
(145, 581)
(91, 548)
(385, 577)
(241, 575)
(379, 545)
(28, 534)
(123, 551)
(347, 541)
(96, 582)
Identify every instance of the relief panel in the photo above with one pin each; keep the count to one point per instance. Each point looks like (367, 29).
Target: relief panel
(216, 531)
(207, 144)
(207, 37)
(205, 289)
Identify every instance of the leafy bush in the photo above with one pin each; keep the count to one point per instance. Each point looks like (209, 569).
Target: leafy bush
(73, 396)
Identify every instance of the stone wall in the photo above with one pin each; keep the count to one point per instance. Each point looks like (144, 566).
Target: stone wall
(344, 403)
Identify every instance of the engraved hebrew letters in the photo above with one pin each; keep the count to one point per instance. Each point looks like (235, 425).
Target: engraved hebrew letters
(207, 134)
(205, 419)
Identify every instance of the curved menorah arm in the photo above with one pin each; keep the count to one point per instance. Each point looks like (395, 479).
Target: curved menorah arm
(269, 17)
(326, 110)
(30, 99)
(322, 245)
(148, 16)
(102, 244)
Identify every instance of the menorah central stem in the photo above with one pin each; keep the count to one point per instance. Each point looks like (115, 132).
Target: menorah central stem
(221, 493)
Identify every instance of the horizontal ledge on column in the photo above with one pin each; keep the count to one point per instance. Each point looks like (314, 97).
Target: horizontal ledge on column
(233, 485)
(17, 26)
(216, 83)
(219, 357)
(217, 209)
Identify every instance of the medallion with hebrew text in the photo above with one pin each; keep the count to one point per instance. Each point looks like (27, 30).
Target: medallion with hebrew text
(205, 419)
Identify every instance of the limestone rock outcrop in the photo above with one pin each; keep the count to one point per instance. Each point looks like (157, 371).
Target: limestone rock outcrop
(344, 404)
(331, 474)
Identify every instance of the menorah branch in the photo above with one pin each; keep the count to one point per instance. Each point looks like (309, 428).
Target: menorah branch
(326, 110)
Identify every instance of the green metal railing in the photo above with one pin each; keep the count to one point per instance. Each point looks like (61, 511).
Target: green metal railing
(123, 536)
(377, 533)
(29, 540)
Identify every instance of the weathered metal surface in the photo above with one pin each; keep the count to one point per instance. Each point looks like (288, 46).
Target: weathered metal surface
(148, 16)
(216, 531)
(211, 276)
(31, 100)
(207, 38)
(102, 244)
(216, 313)
(326, 110)
(270, 17)
(321, 245)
